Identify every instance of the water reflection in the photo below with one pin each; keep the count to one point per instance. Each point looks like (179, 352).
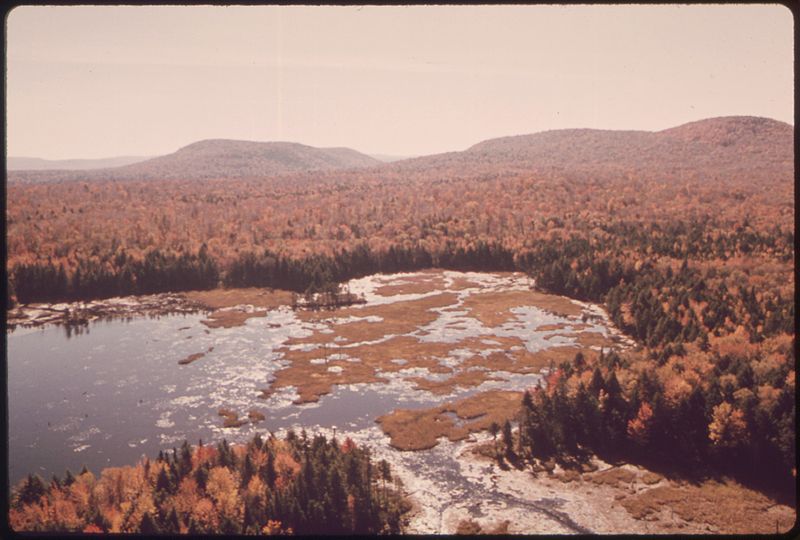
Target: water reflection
(76, 329)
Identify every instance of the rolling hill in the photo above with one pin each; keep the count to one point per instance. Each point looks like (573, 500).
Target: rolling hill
(735, 145)
(219, 158)
(741, 148)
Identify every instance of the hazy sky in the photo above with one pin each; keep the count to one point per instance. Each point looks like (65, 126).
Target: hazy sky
(91, 81)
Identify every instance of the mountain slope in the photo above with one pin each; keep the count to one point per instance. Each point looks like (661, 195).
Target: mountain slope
(717, 146)
(739, 148)
(221, 158)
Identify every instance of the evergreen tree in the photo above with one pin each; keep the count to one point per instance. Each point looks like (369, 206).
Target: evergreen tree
(173, 523)
(32, 490)
(148, 525)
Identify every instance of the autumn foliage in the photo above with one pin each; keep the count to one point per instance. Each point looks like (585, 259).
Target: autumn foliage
(296, 485)
(727, 409)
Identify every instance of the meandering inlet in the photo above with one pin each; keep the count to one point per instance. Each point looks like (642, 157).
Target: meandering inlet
(435, 356)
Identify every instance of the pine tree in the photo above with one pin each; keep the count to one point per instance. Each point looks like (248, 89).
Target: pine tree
(173, 525)
(148, 525)
(185, 460)
(194, 529)
(597, 382)
(270, 474)
(248, 470)
(32, 490)
(68, 478)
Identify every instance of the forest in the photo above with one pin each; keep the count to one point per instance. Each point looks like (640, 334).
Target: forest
(699, 413)
(300, 484)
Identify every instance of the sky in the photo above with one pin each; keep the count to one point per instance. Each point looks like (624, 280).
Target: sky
(103, 81)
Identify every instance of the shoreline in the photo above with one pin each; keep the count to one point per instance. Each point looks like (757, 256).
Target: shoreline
(612, 499)
(224, 307)
(82, 312)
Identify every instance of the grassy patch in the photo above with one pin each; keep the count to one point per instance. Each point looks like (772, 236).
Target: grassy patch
(568, 475)
(398, 318)
(562, 326)
(223, 298)
(651, 478)
(553, 327)
(191, 358)
(196, 356)
(472, 527)
(315, 379)
(586, 339)
(463, 378)
(419, 429)
(255, 416)
(494, 308)
(726, 505)
(421, 283)
(594, 339)
(460, 283)
(485, 450)
(468, 527)
(231, 418)
(612, 477)
(523, 361)
(228, 318)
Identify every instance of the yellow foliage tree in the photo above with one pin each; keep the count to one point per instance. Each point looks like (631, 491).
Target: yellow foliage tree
(223, 489)
(728, 427)
(639, 428)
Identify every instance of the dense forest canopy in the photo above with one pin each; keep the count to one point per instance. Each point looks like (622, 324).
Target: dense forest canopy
(300, 484)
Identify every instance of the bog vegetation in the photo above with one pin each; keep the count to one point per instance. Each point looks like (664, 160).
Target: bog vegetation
(297, 485)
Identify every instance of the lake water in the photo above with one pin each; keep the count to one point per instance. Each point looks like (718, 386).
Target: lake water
(116, 392)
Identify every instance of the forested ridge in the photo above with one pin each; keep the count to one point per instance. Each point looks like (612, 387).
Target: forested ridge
(212, 158)
(301, 484)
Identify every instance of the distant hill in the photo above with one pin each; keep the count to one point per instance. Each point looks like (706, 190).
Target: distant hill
(759, 147)
(221, 158)
(743, 148)
(31, 163)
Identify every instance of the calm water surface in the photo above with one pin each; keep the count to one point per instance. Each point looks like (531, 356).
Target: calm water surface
(116, 392)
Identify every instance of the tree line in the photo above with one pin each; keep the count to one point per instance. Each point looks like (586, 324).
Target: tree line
(296, 485)
(653, 303)
(737, 420)
(161, 271)
(158, 271)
